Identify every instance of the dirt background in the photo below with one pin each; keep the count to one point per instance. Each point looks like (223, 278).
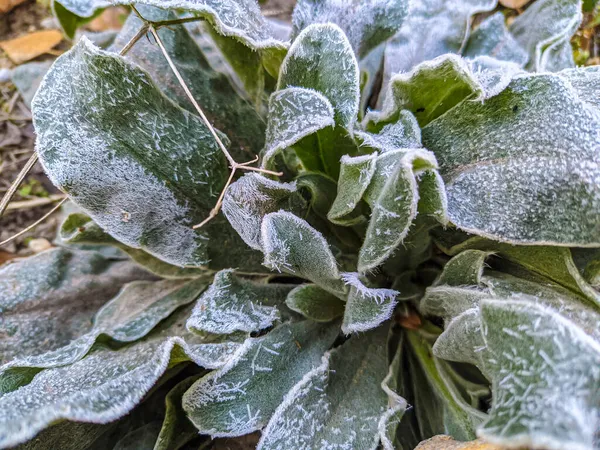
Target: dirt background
(36, 195)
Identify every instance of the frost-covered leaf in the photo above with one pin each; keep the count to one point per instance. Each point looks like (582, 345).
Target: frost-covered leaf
(103, 386)
(367, 24)
(492, 38)
(239, 19)
(433, 201)
(49, 299)
(439, 407)
(291, 245)
(111, 158)
(131, 315)
(545, 29)
(176, 429)
(314, 303)
(227, 110)
(395, 206)
(318, 412)
(355, 176)
(80, 229)
(295, 113)
(555, 386)
(555, 263)
(433, 28)
(366, 307)
(322, 59)
(233, 304)
(465, 269)
(538, 160)
(385, 132)
(252, 197)
(436, 86)
(241, 397)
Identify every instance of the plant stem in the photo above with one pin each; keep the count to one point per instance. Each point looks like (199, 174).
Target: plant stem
(34, 224)
(15, 185)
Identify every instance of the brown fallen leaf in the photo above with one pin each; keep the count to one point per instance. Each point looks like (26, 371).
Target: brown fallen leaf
(7, 5)
(6, 256)
(447, 443)
(110, 19)
(31, 45)
(514, 4)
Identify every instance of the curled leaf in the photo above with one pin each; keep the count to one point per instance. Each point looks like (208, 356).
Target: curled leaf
(314, 303)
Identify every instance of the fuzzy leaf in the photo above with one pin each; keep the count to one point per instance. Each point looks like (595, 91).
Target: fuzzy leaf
(387, 133)
(80, 229)
(355, 177)
(395, 206)
(241, 397)
(542, 183)
(126, 136)
(366, 24)
(433, 28)
(318, 412)
(295, 113)
(437, 403)
(131, 315)
(103, 386)
(555, 385)
(465, 269)
(239, 19)
(227, 110)
(252, 197)
(322, 59)
(49, 299)
(233, 304)
(314, 303)
(291, 245)
(366, 307)
(492, 38)
(546, 27)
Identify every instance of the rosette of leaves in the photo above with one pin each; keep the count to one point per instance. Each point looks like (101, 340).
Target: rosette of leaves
(426, 268)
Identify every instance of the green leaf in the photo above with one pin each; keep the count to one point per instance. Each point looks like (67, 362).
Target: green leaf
(252, 197)
(241, 397)
(322, 59)
(295, 113)
(537, 159)
(465, 269)
(544, 28)
(131, 315)
(318, 412)
(390, 132)
(366, 307)
(394, 207)
(103, 386)
(176, 429)
(314, 303)
(233, 304)
(432, 28)
(291, 245)
(492, 38)
(366, 24)
(80, 229)
(127, 135)
(227, 110)
(556, 385)
(438, 405)
(355, 177)
(49, 299)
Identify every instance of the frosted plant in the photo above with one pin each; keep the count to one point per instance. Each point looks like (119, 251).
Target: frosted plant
(379, 275)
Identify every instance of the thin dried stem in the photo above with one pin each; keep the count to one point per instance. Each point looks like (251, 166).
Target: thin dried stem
(34, 224)
(232, 162)
(33, 203)
(141, 32)
(15, 185)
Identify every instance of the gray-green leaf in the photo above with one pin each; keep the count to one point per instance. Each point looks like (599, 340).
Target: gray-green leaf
(314, 303)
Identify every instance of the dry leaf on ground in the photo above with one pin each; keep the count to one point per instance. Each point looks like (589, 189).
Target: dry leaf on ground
(447, 443)
(31, 46)
(7, 5)
(514, 4)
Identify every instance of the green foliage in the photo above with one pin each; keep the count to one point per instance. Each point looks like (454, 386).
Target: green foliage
(338, 302)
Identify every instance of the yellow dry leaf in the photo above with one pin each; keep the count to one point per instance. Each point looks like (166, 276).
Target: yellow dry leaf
(514, 4)
(31, 45)
(7, 5)
(447, 443)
